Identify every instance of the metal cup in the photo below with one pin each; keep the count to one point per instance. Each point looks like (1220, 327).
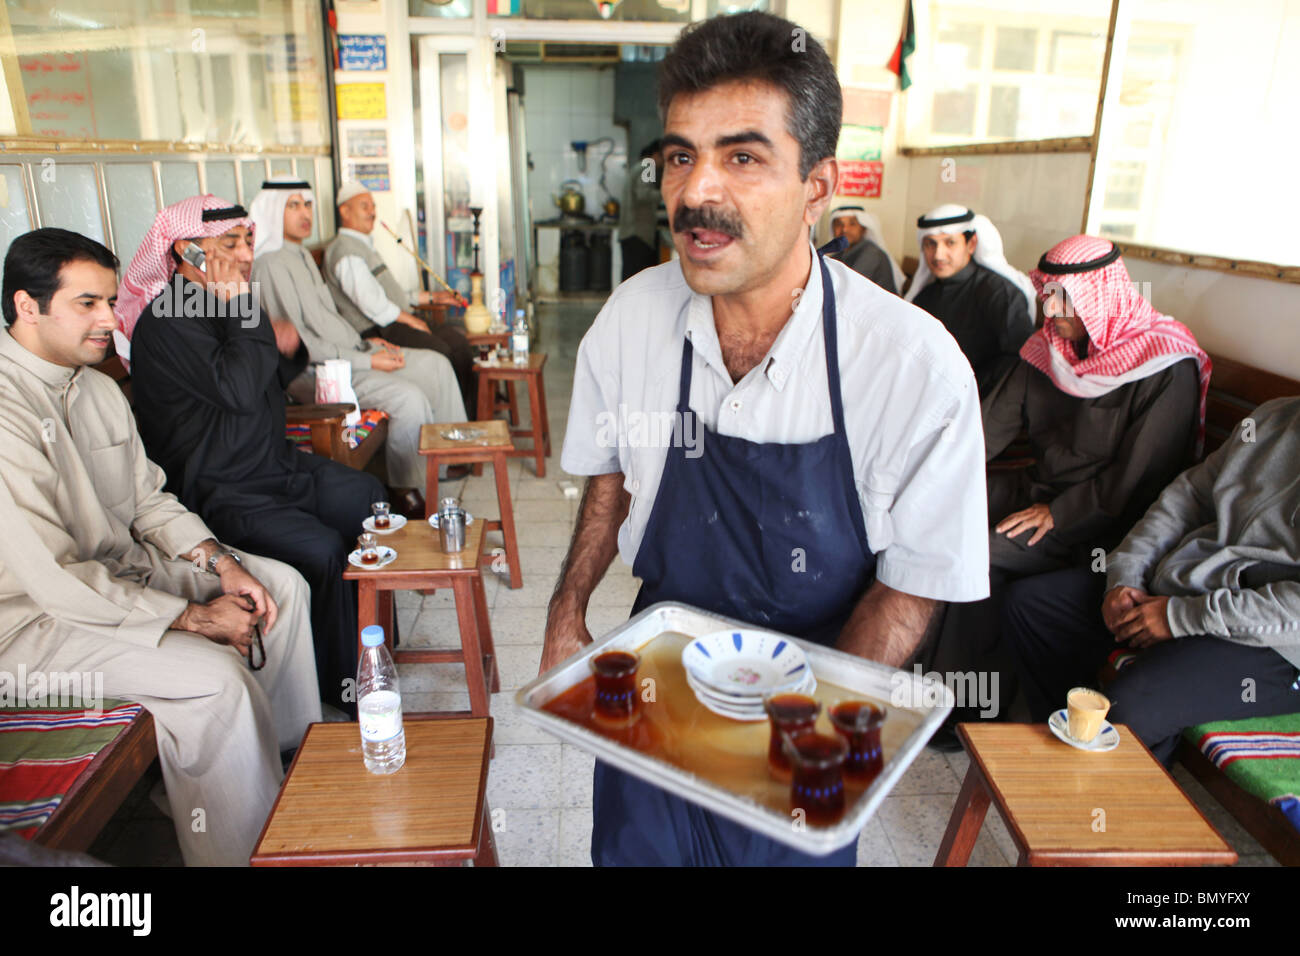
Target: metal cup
(451, 528)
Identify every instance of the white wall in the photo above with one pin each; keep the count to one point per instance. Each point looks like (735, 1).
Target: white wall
(1256, 321)
(869, 31)
(1035, 200)
(563, 105)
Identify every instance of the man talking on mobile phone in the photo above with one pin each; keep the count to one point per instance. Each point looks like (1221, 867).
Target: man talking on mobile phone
(209, 372)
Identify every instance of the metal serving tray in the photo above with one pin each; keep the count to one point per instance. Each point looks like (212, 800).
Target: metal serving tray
(926, 702)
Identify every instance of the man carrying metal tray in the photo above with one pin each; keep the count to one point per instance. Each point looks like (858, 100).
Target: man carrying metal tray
(836, 488)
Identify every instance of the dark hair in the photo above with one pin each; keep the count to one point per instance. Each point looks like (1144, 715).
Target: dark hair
(763, 47)
(35, 259)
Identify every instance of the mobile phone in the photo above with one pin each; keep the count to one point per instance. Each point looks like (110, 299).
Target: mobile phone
(194, 255)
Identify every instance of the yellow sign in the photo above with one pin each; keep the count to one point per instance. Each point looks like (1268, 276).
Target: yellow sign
(296, 100)
(361, 101)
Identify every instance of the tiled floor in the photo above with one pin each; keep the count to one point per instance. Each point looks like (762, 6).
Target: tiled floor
(543, 786)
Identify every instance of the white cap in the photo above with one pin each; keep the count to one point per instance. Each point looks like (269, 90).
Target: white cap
(348, 191)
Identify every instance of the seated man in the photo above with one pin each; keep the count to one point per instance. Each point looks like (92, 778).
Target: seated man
(415, 387)
(965, 282)
(1111, 393)
(101, 570)
(208, 377)
(1207, 584)
(375, 304)
(866, 254)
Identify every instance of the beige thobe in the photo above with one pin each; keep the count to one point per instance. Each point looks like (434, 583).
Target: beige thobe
(91, 580)
(425, 390)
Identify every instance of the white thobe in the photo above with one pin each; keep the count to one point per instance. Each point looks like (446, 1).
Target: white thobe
(91, 580)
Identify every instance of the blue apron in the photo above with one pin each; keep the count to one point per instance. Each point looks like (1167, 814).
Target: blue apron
(767, 533)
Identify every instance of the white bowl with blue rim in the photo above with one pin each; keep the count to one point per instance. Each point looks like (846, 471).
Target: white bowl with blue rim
(746, 663)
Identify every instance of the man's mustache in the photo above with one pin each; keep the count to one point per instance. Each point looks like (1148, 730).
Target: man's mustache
(713, 220)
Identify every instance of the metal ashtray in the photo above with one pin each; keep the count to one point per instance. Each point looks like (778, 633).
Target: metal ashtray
(463, 434)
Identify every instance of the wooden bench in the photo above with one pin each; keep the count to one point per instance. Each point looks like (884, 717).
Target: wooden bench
(100, 789)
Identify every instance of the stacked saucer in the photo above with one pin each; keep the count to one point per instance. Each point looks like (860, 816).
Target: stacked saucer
(731, 672)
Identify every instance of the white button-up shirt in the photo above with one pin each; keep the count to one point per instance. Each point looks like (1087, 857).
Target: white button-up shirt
(911, 410)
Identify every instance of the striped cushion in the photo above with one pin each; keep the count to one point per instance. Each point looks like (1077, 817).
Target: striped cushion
(1260, 755)
(44, 750)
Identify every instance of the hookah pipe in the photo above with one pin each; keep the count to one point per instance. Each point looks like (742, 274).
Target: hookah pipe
(424, 265)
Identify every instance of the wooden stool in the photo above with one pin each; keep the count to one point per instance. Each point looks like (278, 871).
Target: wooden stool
(540, 432)
(332, 811)
(493, 447)
(421, 564)
(493, 340)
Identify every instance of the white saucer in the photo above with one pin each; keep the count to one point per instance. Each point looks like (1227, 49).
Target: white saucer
(746, 701)
(730, 713)
(740, 710)
(386, 556)
(1107, 738)
(433, 520)
(396, 523)
(747, 663)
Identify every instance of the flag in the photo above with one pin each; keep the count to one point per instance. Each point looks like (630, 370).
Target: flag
(906, 47)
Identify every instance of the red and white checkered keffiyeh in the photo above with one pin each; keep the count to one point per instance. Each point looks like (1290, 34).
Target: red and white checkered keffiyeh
(152, 266)
(1128, 339)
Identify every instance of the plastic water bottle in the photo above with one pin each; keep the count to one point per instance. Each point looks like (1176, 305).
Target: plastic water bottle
(379, 705)
(519, 338)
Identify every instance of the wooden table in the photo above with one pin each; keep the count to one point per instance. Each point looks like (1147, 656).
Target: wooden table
(331, 811)
(421, 565)
(493, 447)
(1068, 807)
(495, 340)
(540, 430)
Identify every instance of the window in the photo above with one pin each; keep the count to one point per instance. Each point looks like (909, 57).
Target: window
(1124, 186)
(241, 72)
(1196, 150)
(1016, 49)
(988, 71)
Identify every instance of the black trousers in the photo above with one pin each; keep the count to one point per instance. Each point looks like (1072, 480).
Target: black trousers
(970, 635)
(313, 532)
(1053, 626)
(445, 340)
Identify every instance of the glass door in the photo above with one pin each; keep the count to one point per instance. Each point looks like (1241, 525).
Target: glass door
(458, 159)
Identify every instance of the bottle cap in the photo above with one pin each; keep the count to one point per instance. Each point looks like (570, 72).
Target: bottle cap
(372, 636)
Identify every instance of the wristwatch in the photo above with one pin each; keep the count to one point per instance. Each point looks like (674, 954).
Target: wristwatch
(218, 555)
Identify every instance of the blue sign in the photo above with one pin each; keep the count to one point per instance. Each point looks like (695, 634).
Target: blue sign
(362, 52)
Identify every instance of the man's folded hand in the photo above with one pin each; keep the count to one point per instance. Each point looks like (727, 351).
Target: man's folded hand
(228, 619)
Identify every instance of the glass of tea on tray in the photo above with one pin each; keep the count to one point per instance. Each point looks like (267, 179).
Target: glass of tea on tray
(616, 696)
(790, 714)
(368, 545)
(817, 764)
(383, 519)
(859, 723)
